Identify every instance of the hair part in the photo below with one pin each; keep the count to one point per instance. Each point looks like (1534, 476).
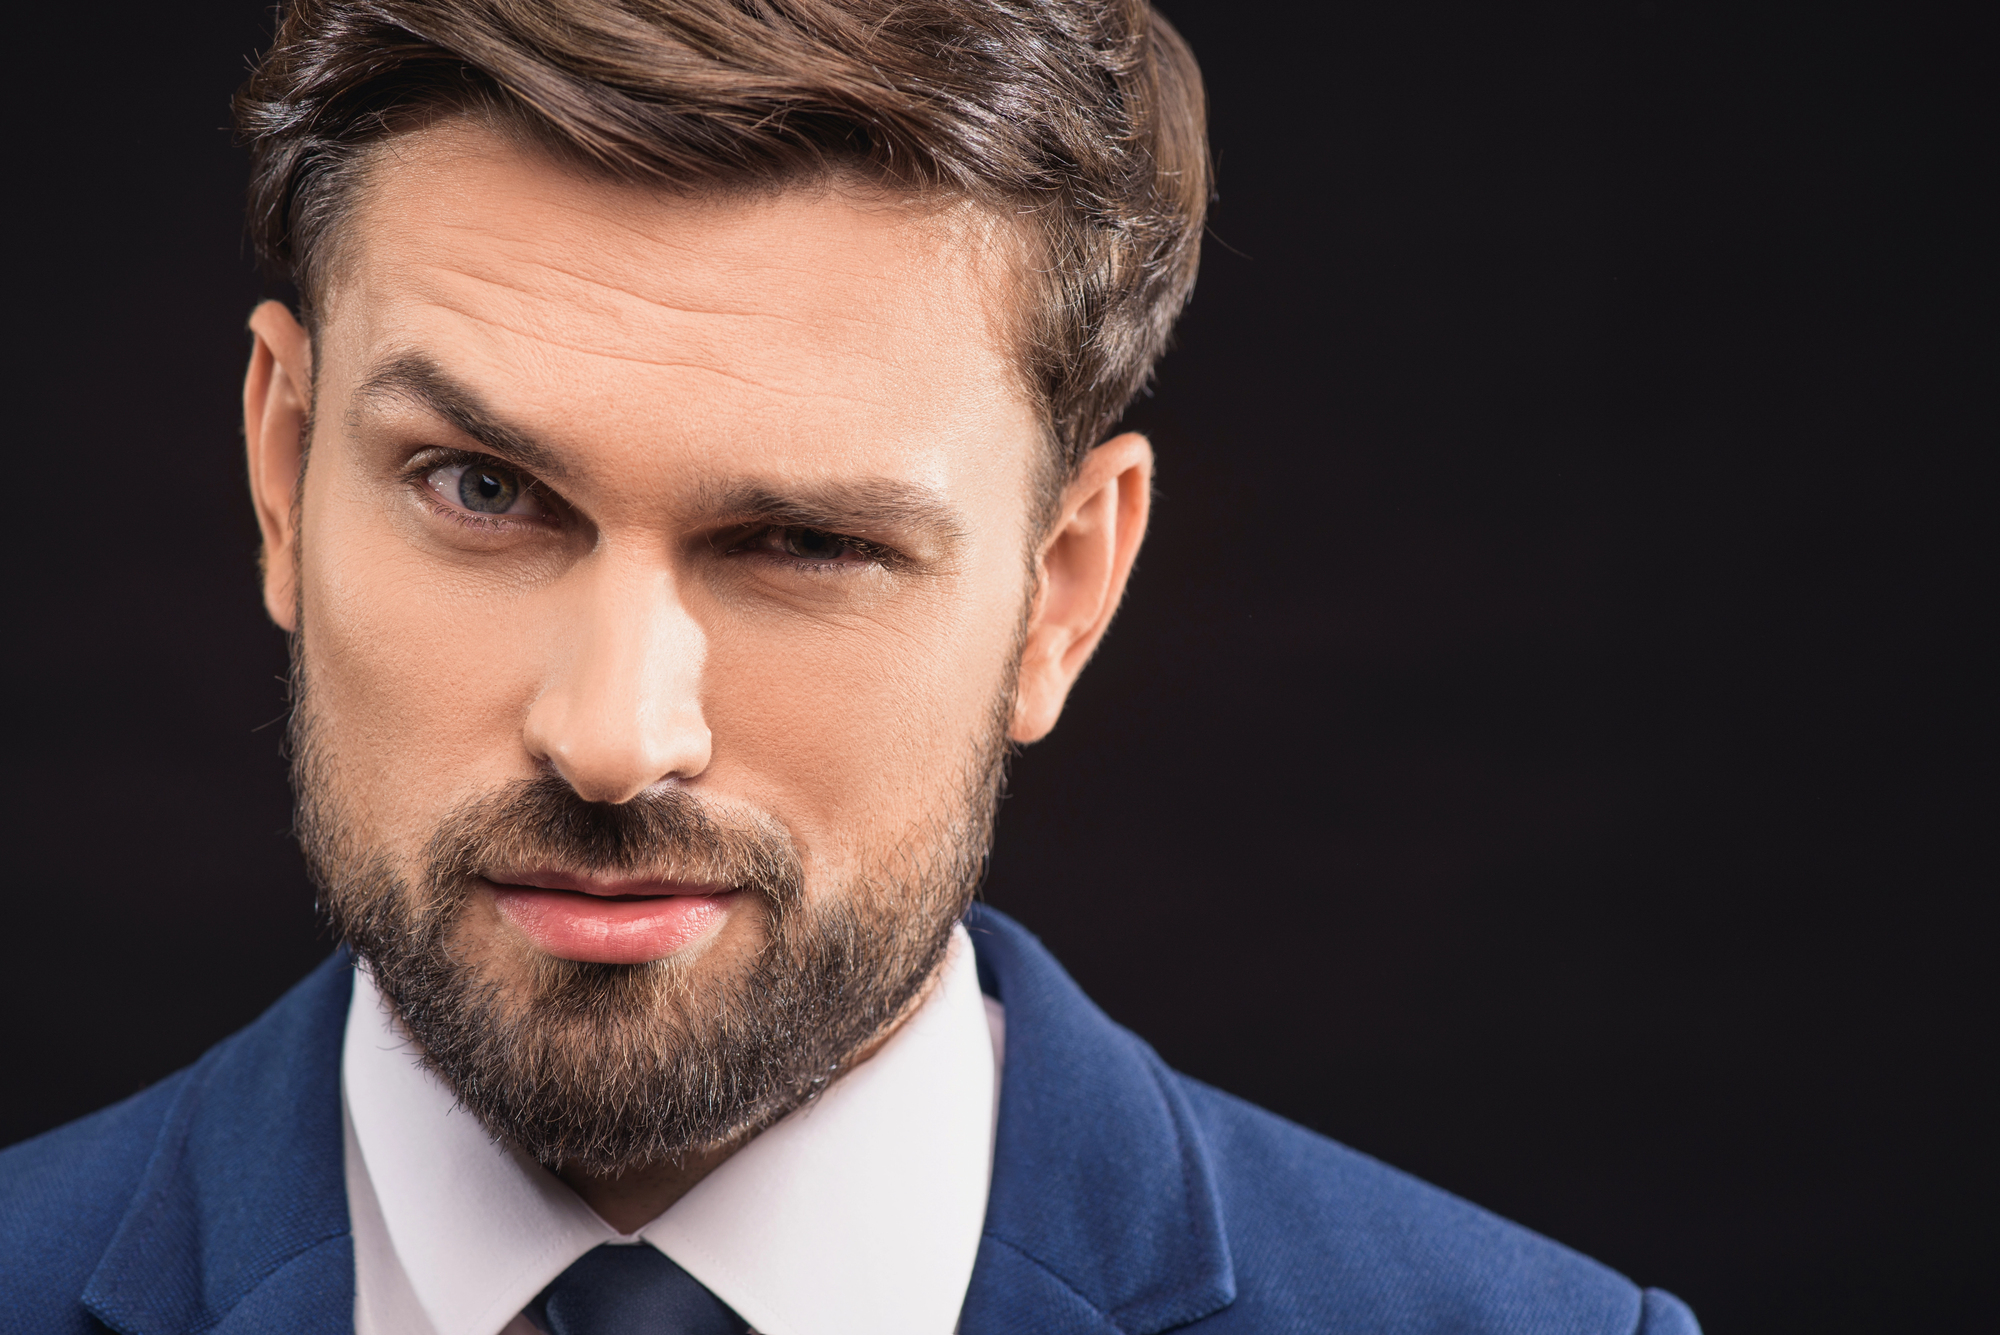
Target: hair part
(1081, 120)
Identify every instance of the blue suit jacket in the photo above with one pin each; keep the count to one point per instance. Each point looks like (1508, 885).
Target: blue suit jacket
(1126, 1198)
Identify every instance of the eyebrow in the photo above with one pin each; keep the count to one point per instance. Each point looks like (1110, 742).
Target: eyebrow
(416, 378)
(862, 506)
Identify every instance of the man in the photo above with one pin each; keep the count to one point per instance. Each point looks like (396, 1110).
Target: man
(687, 471)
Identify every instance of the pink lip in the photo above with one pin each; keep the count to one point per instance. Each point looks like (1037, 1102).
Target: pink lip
(608, 921)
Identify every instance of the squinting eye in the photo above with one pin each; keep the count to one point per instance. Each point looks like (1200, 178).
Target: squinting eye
(814, 544)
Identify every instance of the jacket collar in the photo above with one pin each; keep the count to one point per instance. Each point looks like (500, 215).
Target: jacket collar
(1104, 1213)
(239, 1223)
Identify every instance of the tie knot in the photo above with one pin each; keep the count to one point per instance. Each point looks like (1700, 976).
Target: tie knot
(630, 1290)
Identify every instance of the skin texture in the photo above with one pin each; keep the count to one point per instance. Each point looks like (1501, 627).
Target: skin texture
(684, 377)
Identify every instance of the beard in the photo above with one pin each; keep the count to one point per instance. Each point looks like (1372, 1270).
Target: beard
(609, 1068)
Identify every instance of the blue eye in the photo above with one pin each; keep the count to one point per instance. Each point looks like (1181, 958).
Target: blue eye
(490, 491)
(488, 488)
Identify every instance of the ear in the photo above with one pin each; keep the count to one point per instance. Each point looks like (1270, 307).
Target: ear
(1081, 570)
(277, 400)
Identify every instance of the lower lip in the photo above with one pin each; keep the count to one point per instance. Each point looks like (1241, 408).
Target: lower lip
(590, 928)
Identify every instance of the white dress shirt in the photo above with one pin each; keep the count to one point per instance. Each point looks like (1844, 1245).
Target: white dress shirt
(860, 1212)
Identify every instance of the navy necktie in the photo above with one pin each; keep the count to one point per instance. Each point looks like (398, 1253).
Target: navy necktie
(614, 1290)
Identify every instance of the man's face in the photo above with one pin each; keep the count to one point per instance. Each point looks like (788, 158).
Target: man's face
(661, 572)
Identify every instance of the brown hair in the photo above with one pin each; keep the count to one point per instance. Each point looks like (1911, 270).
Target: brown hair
(1085, 118)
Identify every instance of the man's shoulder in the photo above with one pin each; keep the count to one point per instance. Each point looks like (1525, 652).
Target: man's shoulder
(63, 1195)
(1317, 1227)
(118, 1206)
(1157, 1202)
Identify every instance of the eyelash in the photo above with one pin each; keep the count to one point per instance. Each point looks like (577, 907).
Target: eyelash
(418, 473)
(746, 540)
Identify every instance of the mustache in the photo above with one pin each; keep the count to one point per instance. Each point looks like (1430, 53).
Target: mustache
(667, 834)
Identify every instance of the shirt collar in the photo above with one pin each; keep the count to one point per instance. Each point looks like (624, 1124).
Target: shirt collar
(860, 1212)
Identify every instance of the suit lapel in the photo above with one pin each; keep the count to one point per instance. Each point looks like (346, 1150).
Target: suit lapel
(1103, 1215)
(240, 1221)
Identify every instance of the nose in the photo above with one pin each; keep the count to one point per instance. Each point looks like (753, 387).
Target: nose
(621, 710)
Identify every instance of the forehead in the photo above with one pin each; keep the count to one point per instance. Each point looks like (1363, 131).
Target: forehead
(788, 327)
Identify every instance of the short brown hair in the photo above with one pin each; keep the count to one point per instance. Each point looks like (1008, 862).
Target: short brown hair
(1083, 117)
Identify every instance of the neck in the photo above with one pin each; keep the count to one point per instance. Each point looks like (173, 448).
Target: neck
(631, 1200)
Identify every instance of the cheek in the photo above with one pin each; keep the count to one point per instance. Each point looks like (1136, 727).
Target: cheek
(418, 681)
(856, 734)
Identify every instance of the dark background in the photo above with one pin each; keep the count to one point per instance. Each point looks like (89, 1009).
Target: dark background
(1538, 747)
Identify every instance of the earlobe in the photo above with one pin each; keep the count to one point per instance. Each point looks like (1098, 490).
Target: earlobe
(277, 397)
(1083, 566)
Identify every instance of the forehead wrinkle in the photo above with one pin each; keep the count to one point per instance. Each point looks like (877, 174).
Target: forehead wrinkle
(666, 304)
(657, 303)
(952, 233)
(943, 227)
(815, 395)
(961, 248)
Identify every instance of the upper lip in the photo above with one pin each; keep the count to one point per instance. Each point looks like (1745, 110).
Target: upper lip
(543, 878)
